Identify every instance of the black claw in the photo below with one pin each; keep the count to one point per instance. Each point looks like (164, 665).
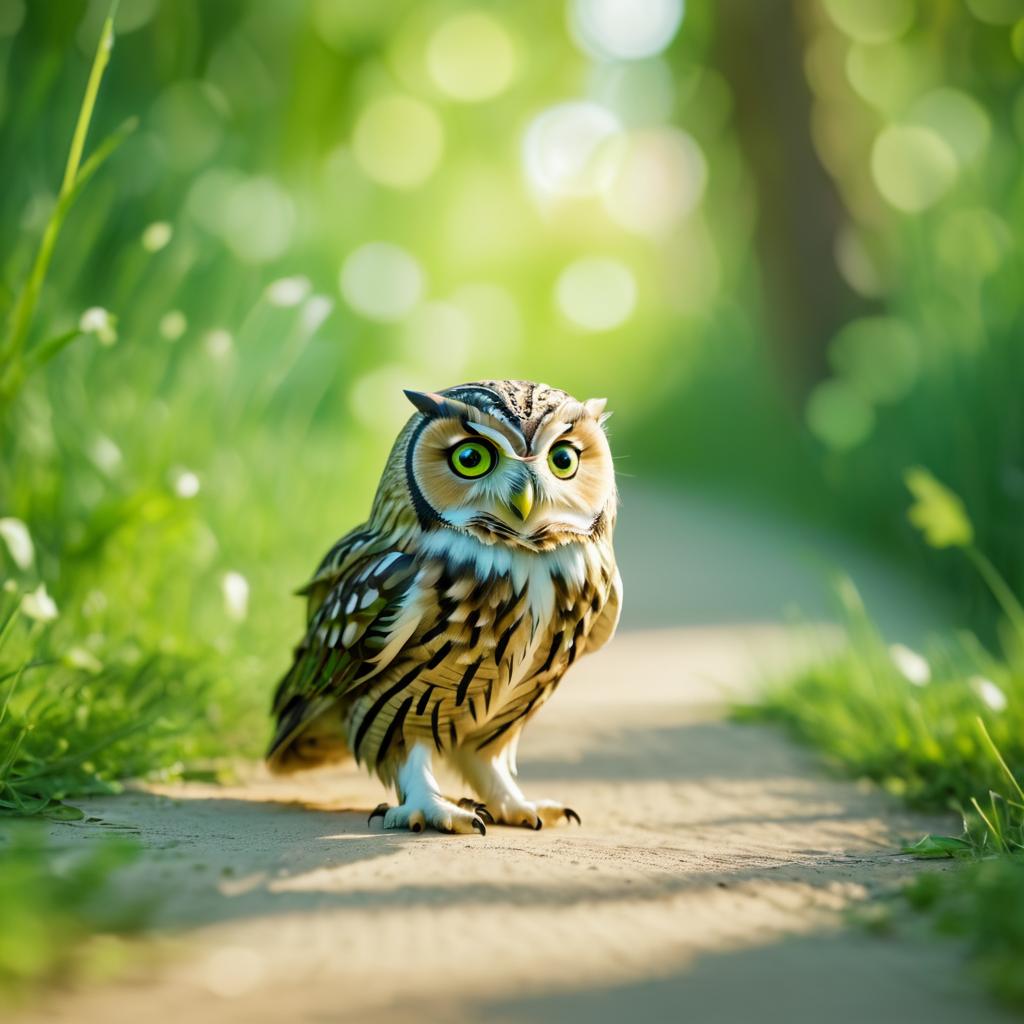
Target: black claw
(378, 812)
(485, 814)
(480, 826)
(539, 825)
(571, 815)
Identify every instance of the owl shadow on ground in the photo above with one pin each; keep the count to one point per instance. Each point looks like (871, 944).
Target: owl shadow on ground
(217, 858)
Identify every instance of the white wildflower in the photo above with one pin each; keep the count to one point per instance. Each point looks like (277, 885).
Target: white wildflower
(156, 236)
(173, 325)
(185, 483)
(101, 322)
(235, 589)
(316, 310)
(82, 658)
(912, 666)
(19, 542)
(219, 343)
(37, 604)
(989, 692)
(288, 291)
(106, 455)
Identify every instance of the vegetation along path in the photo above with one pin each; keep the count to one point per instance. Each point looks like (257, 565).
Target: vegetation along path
(708, 881)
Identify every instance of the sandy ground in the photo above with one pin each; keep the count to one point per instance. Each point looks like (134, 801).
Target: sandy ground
(708, 881)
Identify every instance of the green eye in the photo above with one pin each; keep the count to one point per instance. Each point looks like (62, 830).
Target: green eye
(472, 459)
(564, 460)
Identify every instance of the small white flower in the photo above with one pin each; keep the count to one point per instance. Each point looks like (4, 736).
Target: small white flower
(288, 291)
(156, 236)
(218, 344)
(84, 659)
(37, 604)
(911, 665)
(235, 589)
(316, 310)
(186, 483)
(99, 321)
(19, 542)
(173, 325)
(106, 455)
(989, 692)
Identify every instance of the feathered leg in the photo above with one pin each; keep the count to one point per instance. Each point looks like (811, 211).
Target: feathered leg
(492, 773)
(421, 801)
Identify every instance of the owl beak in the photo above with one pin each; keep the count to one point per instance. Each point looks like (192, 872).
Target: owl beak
(520, 501)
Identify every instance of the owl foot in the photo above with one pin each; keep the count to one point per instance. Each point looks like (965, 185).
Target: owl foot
(469, 804)
(533, 814)
(435, 811)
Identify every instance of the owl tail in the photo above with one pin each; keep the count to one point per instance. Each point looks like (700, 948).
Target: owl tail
(309, 733)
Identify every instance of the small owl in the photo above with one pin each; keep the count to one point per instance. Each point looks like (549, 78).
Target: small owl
(443, 624)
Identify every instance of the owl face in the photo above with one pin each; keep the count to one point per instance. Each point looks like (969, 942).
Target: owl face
(510, 462)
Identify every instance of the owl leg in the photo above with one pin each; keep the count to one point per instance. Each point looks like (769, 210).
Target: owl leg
(491, 773)
(421, 801)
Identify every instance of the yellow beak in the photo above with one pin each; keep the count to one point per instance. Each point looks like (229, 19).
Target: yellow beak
(520, 501)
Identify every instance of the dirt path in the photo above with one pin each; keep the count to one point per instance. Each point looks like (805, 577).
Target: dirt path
(707, 882)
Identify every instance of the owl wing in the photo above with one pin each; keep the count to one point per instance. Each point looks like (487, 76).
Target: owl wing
(359, 618)
(604, 628)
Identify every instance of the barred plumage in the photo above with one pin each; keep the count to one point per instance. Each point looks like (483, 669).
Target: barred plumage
(441, 625)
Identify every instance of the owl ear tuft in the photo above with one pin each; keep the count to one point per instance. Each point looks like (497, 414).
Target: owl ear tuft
(427, 402)
(595, 408)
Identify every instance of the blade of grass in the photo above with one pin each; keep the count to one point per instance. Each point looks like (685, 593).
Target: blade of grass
(999, 758)
(28, 299)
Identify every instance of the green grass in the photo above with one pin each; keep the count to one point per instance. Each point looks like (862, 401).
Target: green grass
(61, 915)
(944, 730)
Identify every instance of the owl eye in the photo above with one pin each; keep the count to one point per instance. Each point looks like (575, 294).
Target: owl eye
(564, 460)
(472, 459)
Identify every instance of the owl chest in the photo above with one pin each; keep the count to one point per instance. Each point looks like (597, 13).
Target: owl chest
(509, 638)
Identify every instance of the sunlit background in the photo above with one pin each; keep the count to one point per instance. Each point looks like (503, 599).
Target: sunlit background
(783, 239)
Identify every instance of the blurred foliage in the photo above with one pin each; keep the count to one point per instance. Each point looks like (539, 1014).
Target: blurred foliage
(942, 732)
(782, 238)
(323, 202)
(60, 913)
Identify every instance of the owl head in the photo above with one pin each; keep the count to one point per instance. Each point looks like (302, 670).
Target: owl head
(509, 462)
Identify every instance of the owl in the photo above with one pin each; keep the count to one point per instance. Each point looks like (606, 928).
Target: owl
(441, 626)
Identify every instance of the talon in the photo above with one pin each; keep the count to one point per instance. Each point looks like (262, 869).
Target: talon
(378, 812)
(539, 825)
(485, 814)
(480, 826)
(571, 815)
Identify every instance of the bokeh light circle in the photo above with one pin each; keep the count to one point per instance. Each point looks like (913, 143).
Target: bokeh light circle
(439, 336)
(382, 281)
(660, 180)
(838, 416)
(877, 356)
(871, 21)
(187, 117)
(471, 57)
(398, 141)
(912, 166)
(640, 93)
(624, 29)
(570, 150)
(596, 294)
(258, 220)
(958, 118)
